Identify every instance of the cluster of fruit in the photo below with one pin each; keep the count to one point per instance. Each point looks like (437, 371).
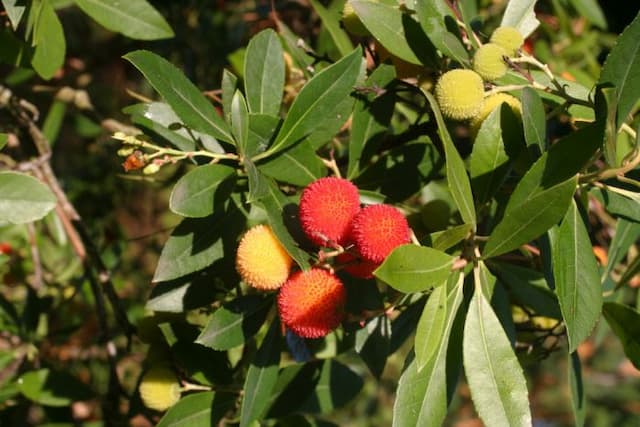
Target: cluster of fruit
(311, 302)
(460, 92)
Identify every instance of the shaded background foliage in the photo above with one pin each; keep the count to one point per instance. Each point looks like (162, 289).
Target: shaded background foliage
(129, 219)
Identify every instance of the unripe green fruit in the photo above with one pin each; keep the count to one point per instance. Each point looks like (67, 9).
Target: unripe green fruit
(491, 103)
(460, 94)
(159, 388)
(509, 38)
(352, 22)
(489, 63)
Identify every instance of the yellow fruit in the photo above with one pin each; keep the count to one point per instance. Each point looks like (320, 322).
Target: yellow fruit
(352, 22)
(489, 63)
(159, 389)
(404, 69)
(261, 259)
(460, 94)
(491, 103)
(509, 38)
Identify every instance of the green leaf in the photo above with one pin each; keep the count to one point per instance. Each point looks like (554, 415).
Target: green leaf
(240, 122)
(195, 244)
(533, 119)
(617, 204)
(264, 73)
(457, 178)
(258, 182)
(14, 11)
(424, 395)
(229, 85)
(338, 385)
(411, 268)
(371, 118)
(576, 386)
(195, 111)
(184, 294)
(591, 10)
(625, 323)
(434, 16)
(4, 138)
(53, 121)
(23, 198)
(373, 344)
(496, 381)
(622, 69)
(577, 280)
(488, 163)
(282, 215)
(202, 191)
(299, 165)
(446, 239)
(431, 327)
(395, 30)
(318, 99)
(520, 15)
(49, 41)
(161, 119)
(606, 109)
(262, 130)
(262, 377)
(331, 22)
(202, 409)
(53, 388)
(235, 322)
(626, 234)
(136, 19)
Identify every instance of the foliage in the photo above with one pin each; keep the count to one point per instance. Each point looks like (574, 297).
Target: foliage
(511, 260)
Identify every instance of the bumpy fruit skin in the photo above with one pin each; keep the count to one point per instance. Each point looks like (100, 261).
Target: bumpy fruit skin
(327, 207)
(311, 303)
(460, 94)
(352, 22)
(261, 259)
(377, 230)
(489, 63)
(491, 103)
(159, 389)
(509, 38)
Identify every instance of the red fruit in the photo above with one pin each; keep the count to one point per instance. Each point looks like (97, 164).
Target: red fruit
(327, 207)
(311, 303)
(379, 229)
(356, 266)
(5, 248)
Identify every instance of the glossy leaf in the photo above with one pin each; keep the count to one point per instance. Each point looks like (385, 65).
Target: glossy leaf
(202, 191)
(184, 294)
(496, 381)
(15, 10)
(411, 268)
(431, 327)
(298, 165)
(318, 99)
(433, 16)
(457, 178)
(488, 163)
(23, 198)
(136, 19)
(373, 344)
(228, 86)
(261, 377)
(625, 323)
(331, 23)
(423, 396)
(451, 237)
(195, 111)
(49, 41)
(337, 385)
(622, 69)
(577, 279)
(53, 388)
(264, 73)
(235, 322)
(533, 119)
(617, 204)
(371, 117)
(262, 130)
(194, 244)
(202, 409)
(626, 234)
(576, 387)
(520, 14)
(240, 121)
(258, 182)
